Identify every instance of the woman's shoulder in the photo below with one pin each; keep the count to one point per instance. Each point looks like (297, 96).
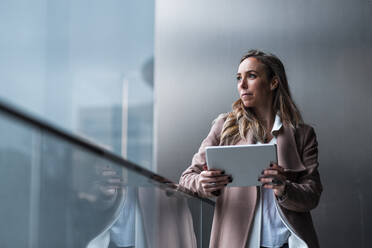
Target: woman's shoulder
(305, 133)
(304, 128)
(220, 119)
(218, 122)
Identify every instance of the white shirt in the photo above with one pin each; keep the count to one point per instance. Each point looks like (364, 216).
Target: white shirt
(273, 231)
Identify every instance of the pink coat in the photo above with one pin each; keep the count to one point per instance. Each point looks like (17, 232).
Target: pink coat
(235, 207)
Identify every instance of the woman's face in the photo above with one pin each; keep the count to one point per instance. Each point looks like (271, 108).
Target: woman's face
(253, 87)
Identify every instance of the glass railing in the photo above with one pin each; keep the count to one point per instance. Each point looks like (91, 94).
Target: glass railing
(58, 190)
(85, 66)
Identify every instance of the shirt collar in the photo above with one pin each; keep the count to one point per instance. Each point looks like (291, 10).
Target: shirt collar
(277, 125)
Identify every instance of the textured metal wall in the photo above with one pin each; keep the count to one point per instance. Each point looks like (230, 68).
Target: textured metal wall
(327, 49)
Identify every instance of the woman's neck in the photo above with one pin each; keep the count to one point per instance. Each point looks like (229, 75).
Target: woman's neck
(266, 116)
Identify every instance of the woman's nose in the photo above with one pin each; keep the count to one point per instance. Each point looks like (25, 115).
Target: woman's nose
(244, 83)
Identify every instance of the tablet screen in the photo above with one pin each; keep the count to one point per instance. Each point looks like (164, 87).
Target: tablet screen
(243, 162)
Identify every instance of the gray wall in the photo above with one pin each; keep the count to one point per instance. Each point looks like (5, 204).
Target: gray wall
(327, 49)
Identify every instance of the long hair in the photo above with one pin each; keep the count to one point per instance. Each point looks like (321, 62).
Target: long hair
(242, 119)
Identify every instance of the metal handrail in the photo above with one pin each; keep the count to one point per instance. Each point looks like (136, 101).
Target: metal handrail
(15, 113)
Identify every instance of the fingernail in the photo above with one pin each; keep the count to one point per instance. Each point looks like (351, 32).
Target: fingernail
(277, 182)
(230, 179)
(216, 193)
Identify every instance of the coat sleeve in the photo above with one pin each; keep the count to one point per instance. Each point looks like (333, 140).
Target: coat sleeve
(190, 177)
(304, 194)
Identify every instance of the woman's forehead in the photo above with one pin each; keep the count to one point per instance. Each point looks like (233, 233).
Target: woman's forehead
(249, 64)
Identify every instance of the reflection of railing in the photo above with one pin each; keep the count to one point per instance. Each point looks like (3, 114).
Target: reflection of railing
(61, 177)
(91, 147)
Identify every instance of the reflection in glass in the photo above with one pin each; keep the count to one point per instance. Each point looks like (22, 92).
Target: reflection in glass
(58, 194)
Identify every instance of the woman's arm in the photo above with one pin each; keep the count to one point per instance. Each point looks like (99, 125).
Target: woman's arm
(191, 177)
(304, 194)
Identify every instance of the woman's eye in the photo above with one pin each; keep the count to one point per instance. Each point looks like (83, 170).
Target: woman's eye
(251, 75)
(238, 78)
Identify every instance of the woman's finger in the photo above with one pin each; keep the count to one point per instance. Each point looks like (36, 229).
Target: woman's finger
(267, 180)
(214, 179)
(212, 173)
(274, 182)
(273, 175)
(272, 171)
(276, 176)
(269, 186)
(272, 179)
(275, 166)
(277, 182)
(215, 184)
(208, 190)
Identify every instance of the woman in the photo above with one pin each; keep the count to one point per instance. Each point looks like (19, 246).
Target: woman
(277, 214)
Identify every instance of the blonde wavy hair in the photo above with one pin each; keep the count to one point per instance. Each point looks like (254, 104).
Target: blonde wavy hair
(241, 119)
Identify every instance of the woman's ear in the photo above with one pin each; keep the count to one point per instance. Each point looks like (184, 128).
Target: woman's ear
(274, 83)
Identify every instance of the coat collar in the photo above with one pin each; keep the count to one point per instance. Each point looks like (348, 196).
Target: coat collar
(277, 125)
(288, 155)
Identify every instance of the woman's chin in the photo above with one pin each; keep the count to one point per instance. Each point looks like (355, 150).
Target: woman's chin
(248, 104)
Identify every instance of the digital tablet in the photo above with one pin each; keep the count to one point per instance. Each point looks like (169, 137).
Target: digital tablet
(243, 162)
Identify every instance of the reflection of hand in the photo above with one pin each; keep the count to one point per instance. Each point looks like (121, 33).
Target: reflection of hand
(110, 182)
(212, 181)
(274, 178)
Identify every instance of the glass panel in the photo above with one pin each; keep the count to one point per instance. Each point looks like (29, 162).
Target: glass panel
(58, 194)
(84, 65)
(17, 193)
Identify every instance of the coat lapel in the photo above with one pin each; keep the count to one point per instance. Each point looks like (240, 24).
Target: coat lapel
(288, 156)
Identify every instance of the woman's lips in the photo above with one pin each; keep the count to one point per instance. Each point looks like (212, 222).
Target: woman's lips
(247, 94)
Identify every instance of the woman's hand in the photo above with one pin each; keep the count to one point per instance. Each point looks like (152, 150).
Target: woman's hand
(274, 178)
(212, 181)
